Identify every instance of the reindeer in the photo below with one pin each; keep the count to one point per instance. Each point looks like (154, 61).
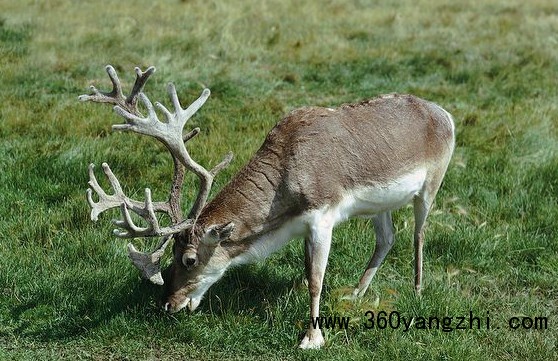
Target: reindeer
(316, 168)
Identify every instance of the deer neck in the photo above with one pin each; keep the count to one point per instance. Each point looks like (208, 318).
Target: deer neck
(254, 199)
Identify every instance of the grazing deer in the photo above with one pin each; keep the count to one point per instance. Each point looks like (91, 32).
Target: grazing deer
(317, 168)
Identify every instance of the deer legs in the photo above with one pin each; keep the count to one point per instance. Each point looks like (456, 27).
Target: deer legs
(383, 226)
(316, 252)
(422, 204)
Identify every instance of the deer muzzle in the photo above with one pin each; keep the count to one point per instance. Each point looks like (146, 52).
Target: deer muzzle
(190, 303)
(190, 258)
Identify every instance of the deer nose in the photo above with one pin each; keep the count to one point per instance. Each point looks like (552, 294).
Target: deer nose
(189, 261)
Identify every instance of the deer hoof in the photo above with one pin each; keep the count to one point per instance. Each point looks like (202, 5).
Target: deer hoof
(313, 340)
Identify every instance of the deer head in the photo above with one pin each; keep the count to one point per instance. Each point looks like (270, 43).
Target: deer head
(170, 133)
(188, 280)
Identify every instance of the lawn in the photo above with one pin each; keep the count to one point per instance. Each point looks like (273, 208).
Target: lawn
(67, 289)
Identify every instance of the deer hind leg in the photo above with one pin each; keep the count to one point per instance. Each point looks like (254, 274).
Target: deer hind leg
(316, 252)
(422, 204)
(383, 226)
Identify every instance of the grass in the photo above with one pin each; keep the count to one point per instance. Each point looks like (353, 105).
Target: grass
(67, 289)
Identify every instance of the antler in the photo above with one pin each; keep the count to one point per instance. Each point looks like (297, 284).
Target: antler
(170, 133)
(146, 210)
(116, 96)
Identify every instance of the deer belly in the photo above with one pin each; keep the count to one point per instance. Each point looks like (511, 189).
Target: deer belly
(380, 198)
(364, 201)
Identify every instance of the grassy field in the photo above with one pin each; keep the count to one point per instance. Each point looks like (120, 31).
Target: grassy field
(67, 290)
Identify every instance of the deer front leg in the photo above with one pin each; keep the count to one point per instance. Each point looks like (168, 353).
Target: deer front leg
(316, 247)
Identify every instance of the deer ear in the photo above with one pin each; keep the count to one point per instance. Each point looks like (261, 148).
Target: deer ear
(217, 233)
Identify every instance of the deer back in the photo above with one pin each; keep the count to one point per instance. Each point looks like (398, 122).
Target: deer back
(315, 155)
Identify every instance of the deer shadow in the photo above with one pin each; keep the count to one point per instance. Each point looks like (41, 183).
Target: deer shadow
(44, 318)
(246, 287)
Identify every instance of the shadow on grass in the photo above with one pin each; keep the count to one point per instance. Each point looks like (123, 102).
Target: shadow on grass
(51, 315)
(46, 317)
(246, 288)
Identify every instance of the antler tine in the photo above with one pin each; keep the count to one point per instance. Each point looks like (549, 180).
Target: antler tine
(191, 134)
(222, 165)
(116, 86)
(105, 201)
(149, 263)
(116, 96)
(141, 79)
(146, 210)
(130, 229)
(183, 115)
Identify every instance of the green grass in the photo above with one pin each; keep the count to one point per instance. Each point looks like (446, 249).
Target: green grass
(67, 290)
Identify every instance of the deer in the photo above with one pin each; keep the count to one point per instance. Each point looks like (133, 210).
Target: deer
(317, 167)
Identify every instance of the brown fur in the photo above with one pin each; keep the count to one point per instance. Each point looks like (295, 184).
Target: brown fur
(311, 158)
(313, 155)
